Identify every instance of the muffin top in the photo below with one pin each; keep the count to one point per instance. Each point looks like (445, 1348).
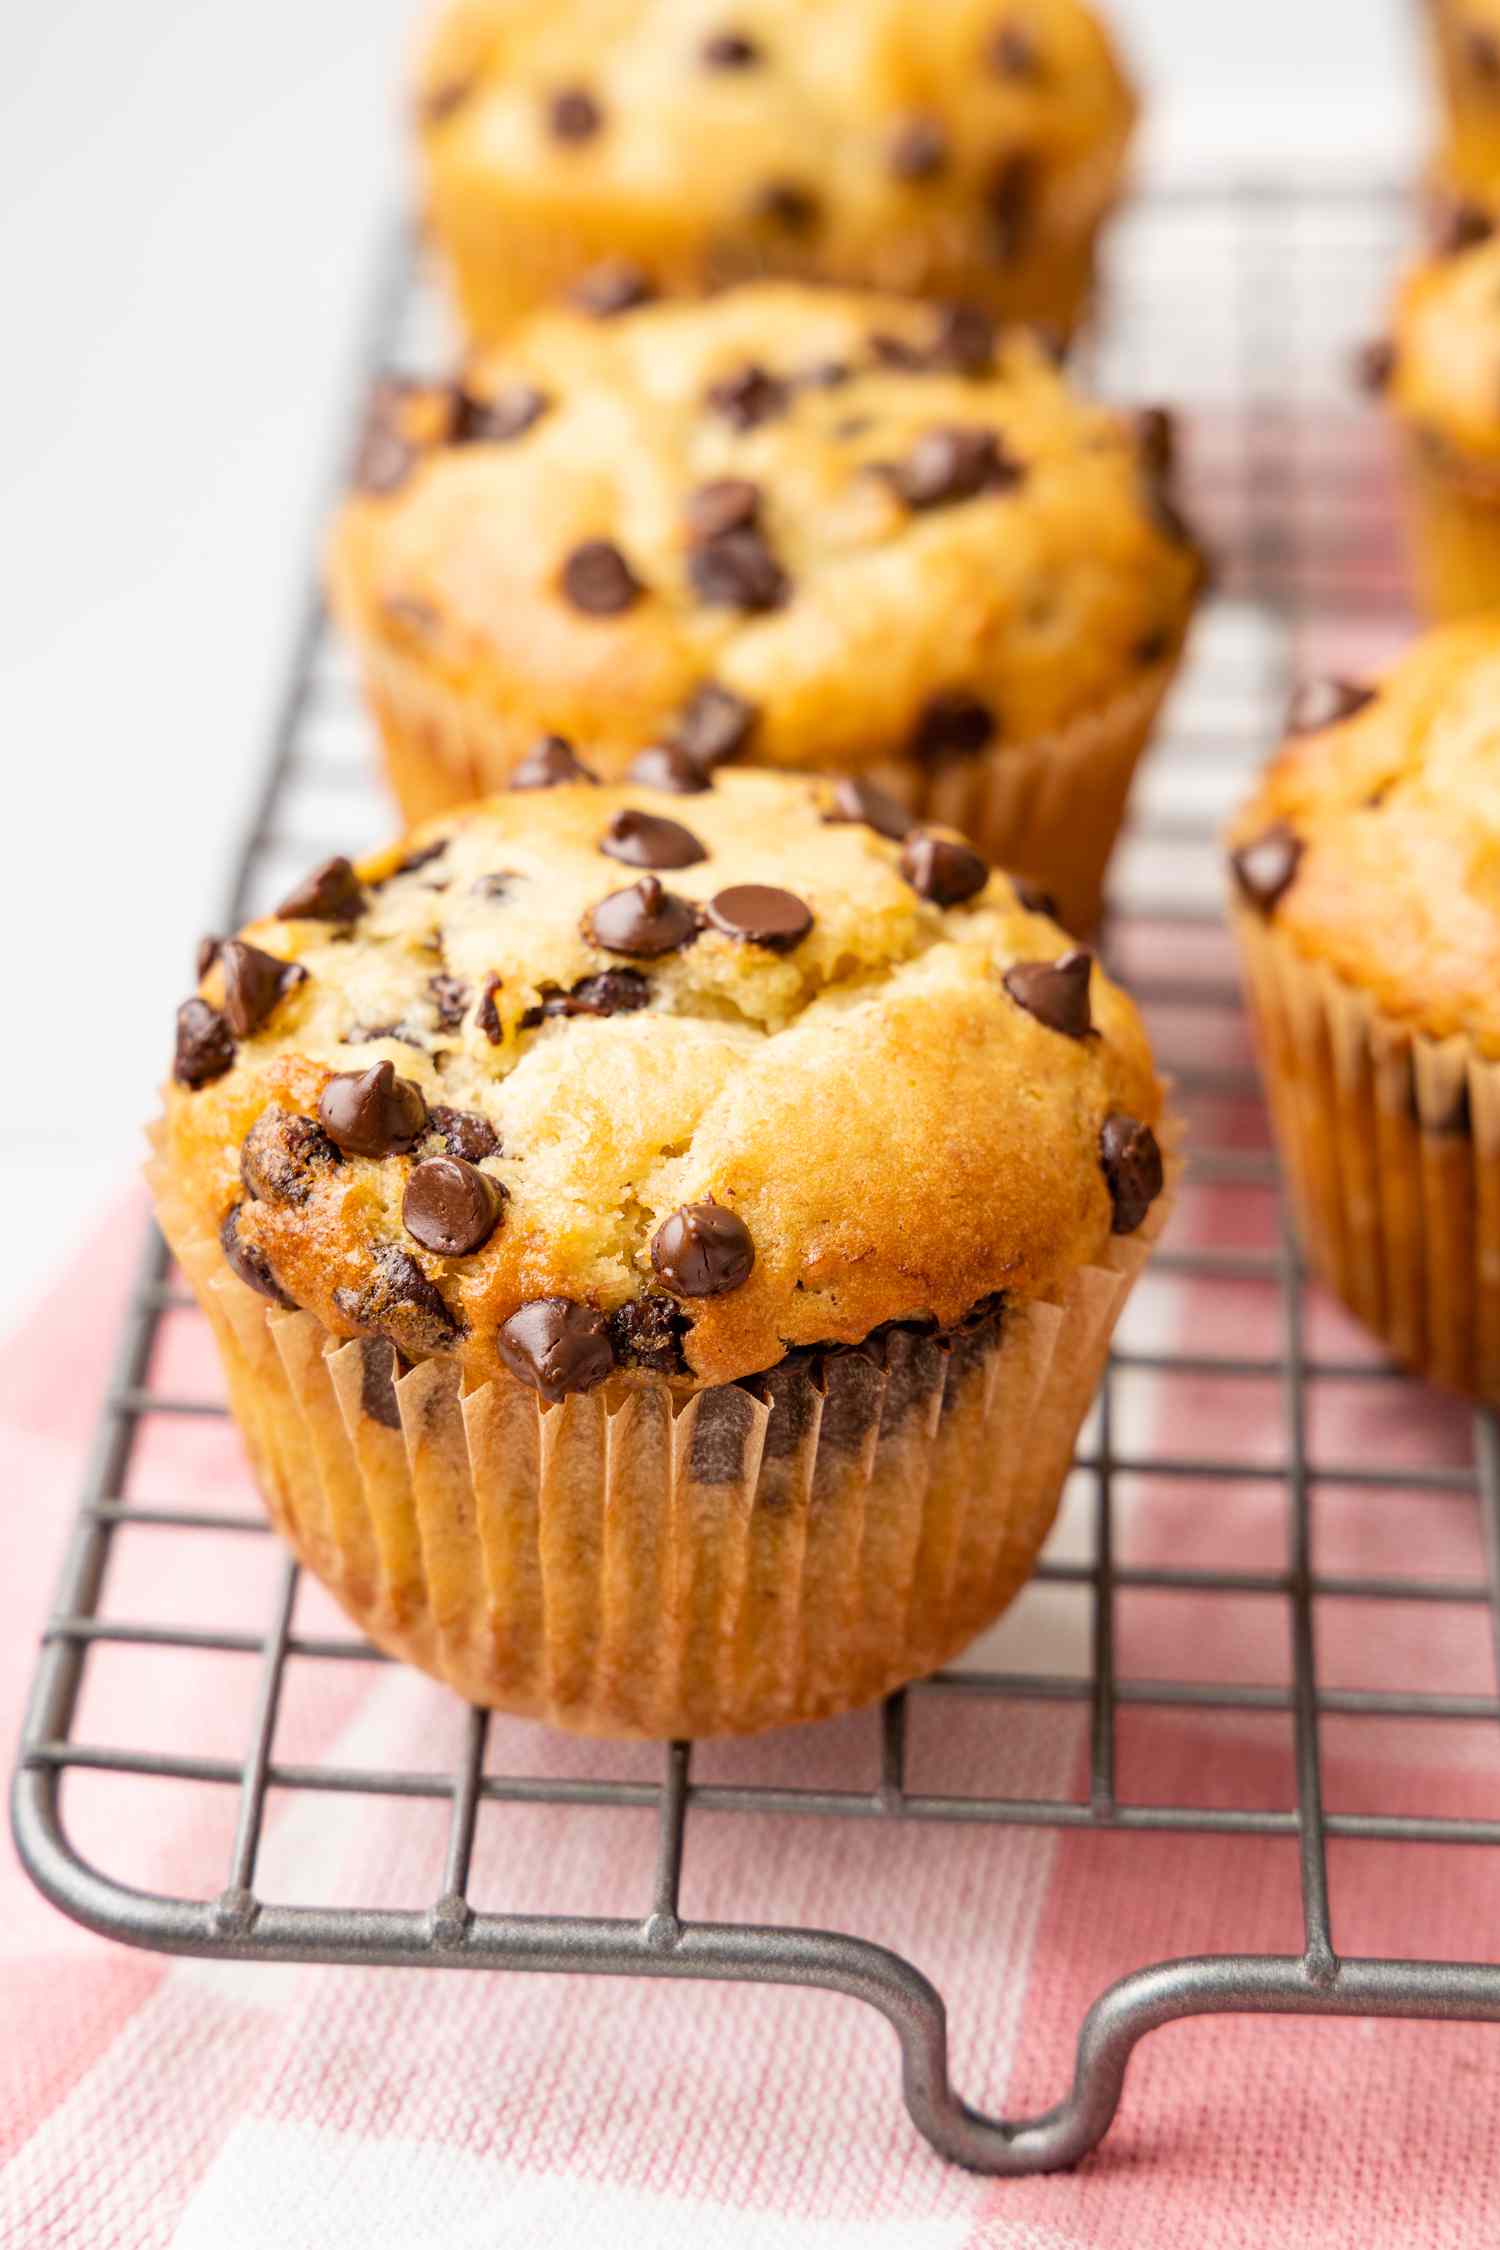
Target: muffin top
(853, 528)
(1441, 368)
(1374, 838)
(598, 1078)
(779, 127)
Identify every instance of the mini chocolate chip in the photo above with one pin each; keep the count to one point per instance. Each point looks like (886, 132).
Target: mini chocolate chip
(1266, 867)
(919, 150)
(759, 914)
(1011, 200)
(385, 455)
(854, 800)
(1460, 224)
(730, 50)
(703, 1251)
(1131, 1163)
(646, 840)
(400, 1303)
(643, 921)
(450, 998)
(942, 869)
(954, 464)
(465, 1133)
(599, 581)
(499, 420)
(663, 765)
(573, 114)
(748, 397)
(738, 571)
(965, 340)
(724, 505)
(548, 764)
(786, 203)
(1375, 365)
(616, 286)
(647, 1332)
(715, 725)
(253, 983)
(283, 1156)
(206, 955)
(488, 1016)
(372, 1112)
(613, 992)
(953, 724)
(1034, 898)
(450, 1207)
(331, 893)
(379, 1365)
(252, 1265)
(1325, 701)
(557, 1346)
(1055, 992)
(1012, 52)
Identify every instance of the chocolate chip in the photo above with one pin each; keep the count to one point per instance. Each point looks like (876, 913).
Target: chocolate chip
(557, 1346)
(954, 464)
(647, 1332)
(599, 581)
(1375, 365)
(1482, 49)
(616, 286)
(730, 50)
(1034, 898)
(379, 1365)
(1131, 1163)
(1155, 431)
(613, 992)
(1460, 224)
(919, 150)
(253, 983)
(644, 921)
(1154, 647)
(283, 1156)
(424, 856)
(407, 1033)
(450, 998)
(646, 840)
(1012, 199)
(664, 766)
(331, 893)
(488, 1015)
(573, 114)
(1325, 701)
(759, 914)
(786, 204)
(1055, 992)
(450, 1207)
(738, 571)
(953, 724)
(1266, 867)
(206, 955)
(498, 884)
(965, 340)
(509, 414)
(372, 1112)
(748, 397)
(715, 725)
(548, 764)
(465, 1133)
(400, 1303)
(941, 869)
(251, 1265)
(724, 505)
(854, 800)
(703, 1251)
(1012, 52)
(385, 455)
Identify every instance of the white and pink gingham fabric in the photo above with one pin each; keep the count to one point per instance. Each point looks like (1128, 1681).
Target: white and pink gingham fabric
(154, 2102)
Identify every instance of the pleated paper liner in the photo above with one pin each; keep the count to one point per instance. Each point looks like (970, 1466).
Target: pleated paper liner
(643, 1560)
(1050, 809)
(1391, 1143)
(1453, 530)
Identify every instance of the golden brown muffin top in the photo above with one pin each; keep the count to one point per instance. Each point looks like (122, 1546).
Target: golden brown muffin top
(726, 1073)
(876, 526)
(1374, 838)
(1441, 368)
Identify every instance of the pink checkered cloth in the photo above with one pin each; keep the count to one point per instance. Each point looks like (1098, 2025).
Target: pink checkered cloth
(149, 2101)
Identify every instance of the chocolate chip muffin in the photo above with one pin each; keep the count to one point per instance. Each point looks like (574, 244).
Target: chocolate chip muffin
(614, 151)
(788, 526)
(1366, 889)
(662, 1247)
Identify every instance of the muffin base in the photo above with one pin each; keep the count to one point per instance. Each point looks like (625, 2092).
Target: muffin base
(649, 1561)
(1390, 1141)
(1453, 532)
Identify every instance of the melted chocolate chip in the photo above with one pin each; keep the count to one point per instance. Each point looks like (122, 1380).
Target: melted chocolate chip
(646, 840)
(450, 1207)
(1012, 200)
(1325, 702)
(206, 955)
(372, 1112)
(557, 1346)
(615, 287)
(854, 800)
(647, 1332)
(715, 725)
(488, 1016)
(730, 50)
(942, 869)
(386, 456)
(759, 914)
(450, 999)
(1375, 365)
(424, 856)
(1266, 868)
(786, 203)
(465, 1133)
(331, 893)
(644, 921)
(498, 420)
(965, 341)
(954, 464)
(400, 1303)
(253, 983)
(1055, 992)
(953, 724)
(665, 766)
(283, 1157)
(599, 581)
(548, 764)
(1131, 1163)
(703, 1251)
(738, 571)
(748, 397)
(1013, 53)
(613, 992)
(919, 150)
(574, 115)
(252, 1265)
(727, 504)
(379, 1365)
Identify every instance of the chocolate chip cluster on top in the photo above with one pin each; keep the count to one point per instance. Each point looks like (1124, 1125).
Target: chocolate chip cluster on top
(789, 526)
(599, 1080)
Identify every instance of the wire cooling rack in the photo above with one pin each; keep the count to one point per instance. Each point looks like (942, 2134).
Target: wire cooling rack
(1244, 305)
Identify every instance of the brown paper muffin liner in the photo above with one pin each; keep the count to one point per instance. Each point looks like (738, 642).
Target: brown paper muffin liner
(1453, 531)
(646, 1560)
(1390, 1142)
(1049, 809)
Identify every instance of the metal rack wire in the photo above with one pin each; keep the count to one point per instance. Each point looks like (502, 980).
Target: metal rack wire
(1244, 303)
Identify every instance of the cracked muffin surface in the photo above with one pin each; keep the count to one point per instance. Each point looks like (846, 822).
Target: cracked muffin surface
(719, 1074)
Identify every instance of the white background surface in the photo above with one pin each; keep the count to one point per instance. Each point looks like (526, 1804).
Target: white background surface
(189, 194)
